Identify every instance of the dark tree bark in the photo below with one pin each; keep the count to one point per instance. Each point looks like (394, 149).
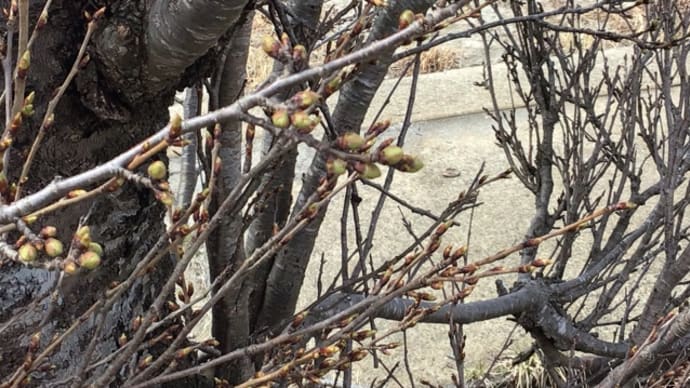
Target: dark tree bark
(110, 106)
(180, 32)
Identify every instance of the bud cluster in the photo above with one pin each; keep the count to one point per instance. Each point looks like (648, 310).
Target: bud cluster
(83, 253)
(297, 112)
(367, 160)
(283, 51)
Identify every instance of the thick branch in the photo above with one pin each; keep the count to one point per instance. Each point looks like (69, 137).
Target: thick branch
(532, 300)
(661, 340)
(179, 32)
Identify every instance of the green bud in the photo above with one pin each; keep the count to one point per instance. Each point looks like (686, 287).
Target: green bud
(96, 247)
(280, 118)
(27, 253)
(53, 247)
(83, 236)
(333, 85)
(350, 141)
(405, 19)
(306, 98)
(302, 121)
(89, 260)
(299, 53)
(157, 170)
(409, 163)
(271, 46)
(371, 171)
(336, 167)
(391, 155)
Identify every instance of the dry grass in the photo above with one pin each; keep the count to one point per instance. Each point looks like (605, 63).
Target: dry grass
(437, 59)
(259, 64)
(528, 374)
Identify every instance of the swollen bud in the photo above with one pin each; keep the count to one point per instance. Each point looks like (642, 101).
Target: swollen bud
(16, 123)
(89, 260)
(35, 342)
(27, 253)
(405, 19)
(164, 197)
(370, 171)
(95, 247)
(28, 219)
(48, 122)
(350, 141)
(333, 85)
(305, 98)
(541, 262)
(76, 193)
(409, 163)
(157, 170)
(303, 122)
(336, 167)
(122, 340)
(436, 285)
(378, 3)
(280, 118)
(217, 165)
(299, 53)
(83, 236)
(378, 127)
(23, 65)
(70, 267)
(441, 229)
(145, 362)
(4, 183)
(175, 126)
(358, 355)
(29, 99)
(459, 252)
(363, 334)
(184, 352)
(391, 155)
(48, 231)
(271, 46)
(299, 318)
(136, 323)
(53, 247)
(42, 20)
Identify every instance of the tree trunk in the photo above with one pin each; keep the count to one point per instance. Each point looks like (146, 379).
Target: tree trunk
(225, 246)
(108, 107)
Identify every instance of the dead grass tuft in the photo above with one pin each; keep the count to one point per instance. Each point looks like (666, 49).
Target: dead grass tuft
(437, 59)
